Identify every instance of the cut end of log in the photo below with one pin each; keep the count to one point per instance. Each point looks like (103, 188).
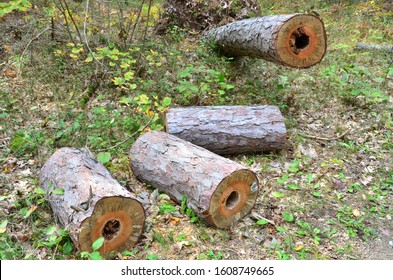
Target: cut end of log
(120, 220)
(233, 198)
(301, 41)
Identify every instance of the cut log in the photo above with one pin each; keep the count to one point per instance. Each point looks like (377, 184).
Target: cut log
(229, 129)
(94, 204)
(295, 40)
(220, 191)
(381, 48)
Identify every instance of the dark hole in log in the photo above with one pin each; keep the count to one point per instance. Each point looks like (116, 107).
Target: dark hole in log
(232, 200)
(299, 40)
(302, 41)
(111, 229)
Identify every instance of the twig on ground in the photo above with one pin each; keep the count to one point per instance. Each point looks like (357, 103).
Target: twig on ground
(325, 138)
(257, 217)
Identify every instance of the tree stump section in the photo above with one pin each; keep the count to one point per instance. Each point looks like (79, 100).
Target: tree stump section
(220, 191)
(295, 40)
(229, 129)
(94, 204)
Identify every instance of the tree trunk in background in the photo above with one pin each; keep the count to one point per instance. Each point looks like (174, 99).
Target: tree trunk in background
(199, 15)
(294, 40)
(218, 190)
(229, 129)
(94, 204)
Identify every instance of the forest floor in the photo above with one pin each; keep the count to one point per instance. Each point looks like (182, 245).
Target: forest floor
(328, 195)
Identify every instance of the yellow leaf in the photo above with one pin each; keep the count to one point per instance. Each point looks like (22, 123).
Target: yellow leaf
(175, 220)
(298, 248)
(149, 113)
(356, 212)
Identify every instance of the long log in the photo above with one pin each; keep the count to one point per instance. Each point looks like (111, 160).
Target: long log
(229, 129)
(94, 204)
(381, 48)
(295, 40)
(220, 191)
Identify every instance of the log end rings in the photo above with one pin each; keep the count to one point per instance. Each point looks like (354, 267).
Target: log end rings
(302, 41)
(233, 198)
(120, 226)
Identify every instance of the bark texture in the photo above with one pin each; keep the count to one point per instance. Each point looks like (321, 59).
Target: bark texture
(229, 129)
(218, 190)
(295, 40)
(94, 204)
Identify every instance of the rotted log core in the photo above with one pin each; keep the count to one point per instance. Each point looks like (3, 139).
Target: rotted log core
(220, 191)
(94, 204)
(295, 40)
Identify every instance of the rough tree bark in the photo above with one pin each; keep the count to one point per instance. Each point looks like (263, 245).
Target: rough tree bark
(218, 190)
(229, 129)
(295, 40)
(94, 204)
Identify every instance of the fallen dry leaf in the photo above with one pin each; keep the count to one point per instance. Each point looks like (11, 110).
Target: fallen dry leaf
(339, 184)
(175, 220)
(20, 236)
(9, 71)
(9, 165)
(356, 212)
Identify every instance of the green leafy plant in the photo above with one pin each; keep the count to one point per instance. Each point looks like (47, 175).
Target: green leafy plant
(305, 229)
(202, 83)
(262, 222)
(152, 257)
(103, 157)
(15, 5)
(214, 256)
(350, 81)
(277, 194)
(95, 254)
(210, 255)
(26, 141)
(55, 238)
(294, 167)
(188, 211)
(288, 217)
(158, 237)
(9, 249)
(167, 208)
(354, 222)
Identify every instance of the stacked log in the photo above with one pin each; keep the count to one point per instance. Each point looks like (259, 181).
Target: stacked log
(294, 40)
(229, 129)
(220, 191)
(93, 204)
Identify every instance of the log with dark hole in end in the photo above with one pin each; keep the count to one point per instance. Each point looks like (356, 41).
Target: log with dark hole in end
(295, 40)
(220, 191)
(229, 129)
(94, 204)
